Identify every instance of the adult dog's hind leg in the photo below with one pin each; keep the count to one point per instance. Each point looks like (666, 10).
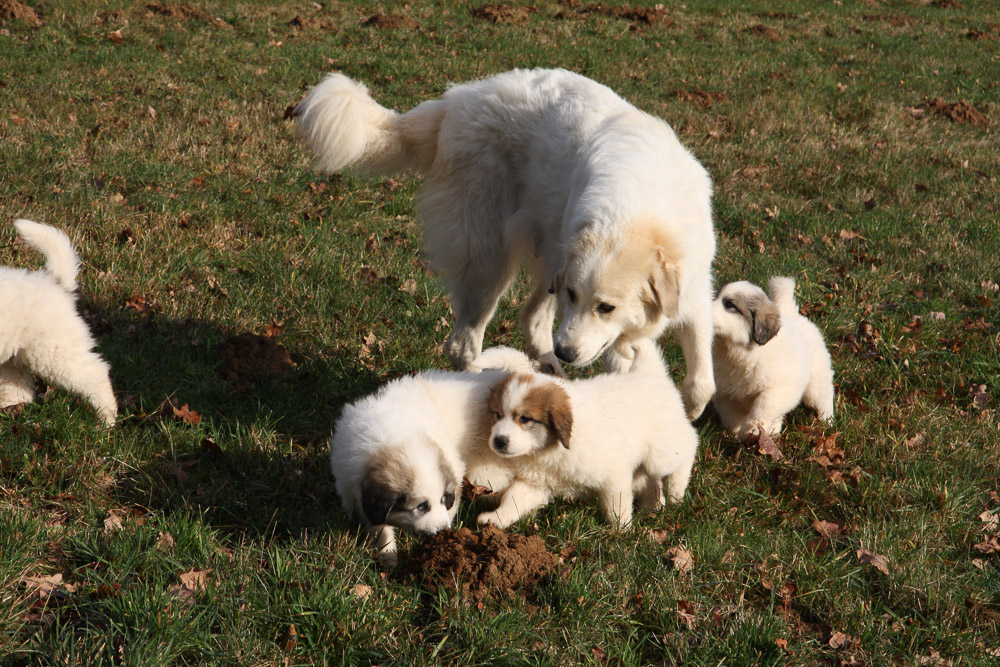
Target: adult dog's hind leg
(475, 292)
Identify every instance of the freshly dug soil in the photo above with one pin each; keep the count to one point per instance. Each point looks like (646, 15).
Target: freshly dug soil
(249, 359)
(13, 9)
(959, 112)
(490, 564)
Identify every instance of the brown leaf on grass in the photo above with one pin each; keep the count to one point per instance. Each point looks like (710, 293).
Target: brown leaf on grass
(878, 561)
(186, 414)
(933, 660)
(659, 535)
(598, 654)
(409, 286)
(139, 304)
(990, 520)
(116, 36)
(274, 329)
(164, 542)
(839, 640)
(765, 445)
(849, 234)
(681, 559)
(918, 440)
(289, 638)
(472, 491)
(115, 520)
(989, 546)
(195, 580)
(828, 530)
(685, 613)
(980, 397)
(48, 585)
(781, 644)
(361, 591)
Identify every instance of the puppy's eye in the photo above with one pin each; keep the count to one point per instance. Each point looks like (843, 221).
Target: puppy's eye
(497, 416)
(448, 499)
(604, 308)
(571, 294)
(729, 305)
(525, 419)
(424, 507)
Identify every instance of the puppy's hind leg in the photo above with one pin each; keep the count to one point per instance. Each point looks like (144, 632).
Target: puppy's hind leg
(16, 383)
(677, 481)
(75, 368)
(819, 392)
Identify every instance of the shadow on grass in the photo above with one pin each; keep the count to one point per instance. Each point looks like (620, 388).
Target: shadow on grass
(254, 461)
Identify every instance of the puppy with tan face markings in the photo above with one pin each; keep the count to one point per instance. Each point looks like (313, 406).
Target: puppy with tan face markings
(767, 358)
(399, 455)
(617, 436)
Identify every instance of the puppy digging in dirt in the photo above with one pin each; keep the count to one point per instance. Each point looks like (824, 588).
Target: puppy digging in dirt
(41, 330)
(767, 358)
(614, 436)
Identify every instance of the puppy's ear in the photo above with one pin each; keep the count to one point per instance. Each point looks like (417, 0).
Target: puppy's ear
(664, 281)
(765, 321)
(560, 415)
(378, 499)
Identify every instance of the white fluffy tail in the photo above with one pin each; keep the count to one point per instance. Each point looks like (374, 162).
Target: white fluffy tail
(61, 261)
(782, 293)
(504, 358)
(345, 127)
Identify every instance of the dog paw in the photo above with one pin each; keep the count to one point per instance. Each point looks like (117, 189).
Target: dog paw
(696, 396)
(549, 364)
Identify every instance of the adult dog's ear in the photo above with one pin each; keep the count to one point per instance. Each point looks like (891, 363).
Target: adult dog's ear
(765, 321)
(664, 281)
(378, 498)
(560, 415)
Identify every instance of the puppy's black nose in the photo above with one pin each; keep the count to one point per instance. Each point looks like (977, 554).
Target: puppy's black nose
(566, 353)
(500, 442)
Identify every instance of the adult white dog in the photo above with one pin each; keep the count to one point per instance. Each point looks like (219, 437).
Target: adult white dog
(553, 172)
(399, 455)
(41, 331)
(613, 436)
(768, 358)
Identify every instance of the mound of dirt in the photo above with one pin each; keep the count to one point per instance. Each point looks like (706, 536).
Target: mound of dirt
(391, 22)
(959, 112)
(490, 564)
(13, 9)
(504, 13)
(249, 359)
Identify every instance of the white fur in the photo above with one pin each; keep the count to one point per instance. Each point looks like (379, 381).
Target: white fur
(553, 172)
(41, 331)
(429, 419)
(757, 384)
(629, 433)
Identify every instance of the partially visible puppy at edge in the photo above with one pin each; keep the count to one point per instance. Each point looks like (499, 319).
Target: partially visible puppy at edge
(767, 358)
(41, 330)
(614, 436)
(399, 455)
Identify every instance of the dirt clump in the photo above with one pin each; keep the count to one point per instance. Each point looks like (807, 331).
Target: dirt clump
(391, 22)
(13, 9)
(249, 359)
(991, 31)
(490, 564)
(961, 112)
(497, 13)
(702, 98)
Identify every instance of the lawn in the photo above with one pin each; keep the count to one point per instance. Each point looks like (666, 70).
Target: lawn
(242, 298)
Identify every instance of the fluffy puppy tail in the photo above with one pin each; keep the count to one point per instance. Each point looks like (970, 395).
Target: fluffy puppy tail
(782, 293)
(61, 261)
(345, 127)
(504, 358)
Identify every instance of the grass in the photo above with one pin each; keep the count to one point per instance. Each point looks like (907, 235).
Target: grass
(153, 134)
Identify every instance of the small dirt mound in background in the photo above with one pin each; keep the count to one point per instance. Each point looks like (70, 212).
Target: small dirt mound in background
(249, 359)
(13, 9)
(391, 22)
(490, 564)
(958, 112)
(504, 13)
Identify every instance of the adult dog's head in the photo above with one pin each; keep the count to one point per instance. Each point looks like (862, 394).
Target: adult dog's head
(743, 315)
(410, 486)
(612, 288)
(529, 413)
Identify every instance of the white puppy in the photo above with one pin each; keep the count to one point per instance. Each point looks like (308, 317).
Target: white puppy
(553, 172)
(768, 358)
(612, 436)
(399, 455)
(41, 331)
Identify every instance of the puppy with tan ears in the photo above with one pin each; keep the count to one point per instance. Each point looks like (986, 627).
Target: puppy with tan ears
(41, 330)
(399, 455)
(767, 357)
(613, 436)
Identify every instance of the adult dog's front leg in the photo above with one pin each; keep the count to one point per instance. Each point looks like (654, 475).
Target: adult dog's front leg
(695, 337)
(536, 321)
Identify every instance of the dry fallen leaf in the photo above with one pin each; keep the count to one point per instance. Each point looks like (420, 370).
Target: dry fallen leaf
(659, 535)
(48, 585)
(472, 491)
(765, 445)
(681, 559)
(878, 561)
(828, 530)
(361, 591)
(195, 580)
(116, 36)
(839, 640)
(188, 415)
(685, 612)
(990, 520)
(165, 542)
(409, 286)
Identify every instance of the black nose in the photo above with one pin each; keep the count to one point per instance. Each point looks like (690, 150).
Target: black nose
(567, 353)
(500, 442)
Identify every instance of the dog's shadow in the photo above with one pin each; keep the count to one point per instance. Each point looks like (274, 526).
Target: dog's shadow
(236, 425)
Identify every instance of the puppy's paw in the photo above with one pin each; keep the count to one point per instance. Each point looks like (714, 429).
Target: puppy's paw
(388, 559)
(491, 517)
